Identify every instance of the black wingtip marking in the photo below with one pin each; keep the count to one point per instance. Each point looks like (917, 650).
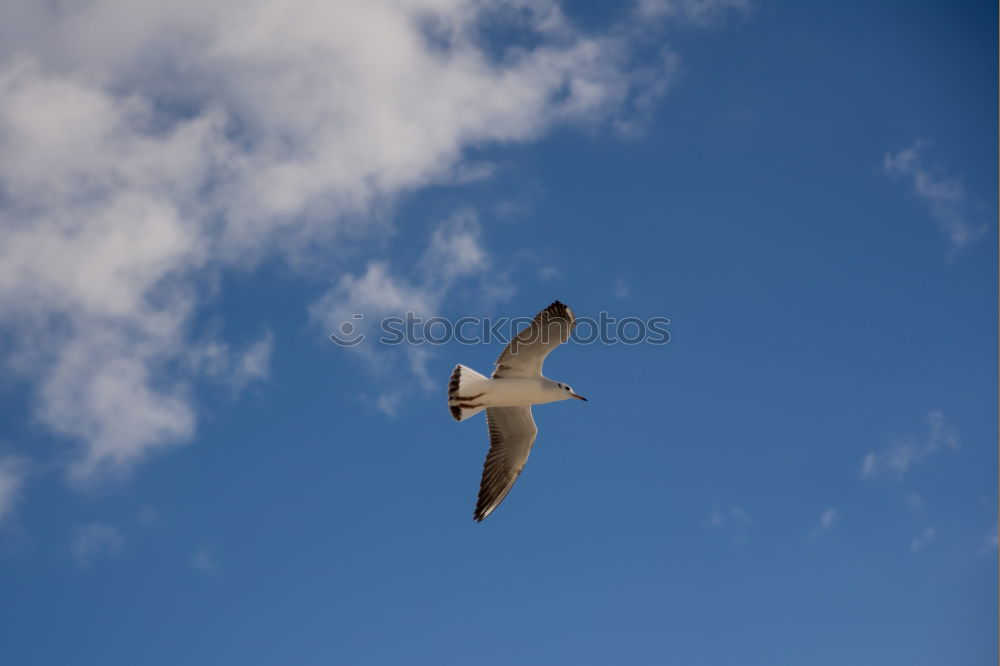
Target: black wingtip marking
(559, 309)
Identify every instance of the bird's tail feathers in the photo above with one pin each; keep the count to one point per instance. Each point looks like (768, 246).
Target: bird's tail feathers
(464, 389)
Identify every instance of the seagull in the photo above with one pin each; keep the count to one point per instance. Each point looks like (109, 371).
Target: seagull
(517, 384)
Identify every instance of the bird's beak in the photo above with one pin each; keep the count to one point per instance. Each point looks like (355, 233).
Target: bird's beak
(578, 397)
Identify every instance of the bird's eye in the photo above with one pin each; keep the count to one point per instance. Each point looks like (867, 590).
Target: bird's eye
(566, 387)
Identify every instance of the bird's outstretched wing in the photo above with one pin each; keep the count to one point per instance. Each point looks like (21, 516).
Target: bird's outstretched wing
(512, 432)
(525, 354)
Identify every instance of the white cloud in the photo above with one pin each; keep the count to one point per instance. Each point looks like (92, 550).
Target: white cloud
(453, 260)
(828, 518)
(454, 250)
(699, 12)
(734, 519)
(104, 394)
(740, 514)
(204, 559)
(388, 403)
(13, 471)
(547, 273)
(98, 226)
(716, 518)
(144, 152)
(621, 288)
(215, 359)
(255, 363)
(944, 196)
(920, 541)
(989, 544)
(95, 540)
(901, 455)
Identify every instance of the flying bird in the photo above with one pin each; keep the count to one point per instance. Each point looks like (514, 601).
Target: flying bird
(517, 384)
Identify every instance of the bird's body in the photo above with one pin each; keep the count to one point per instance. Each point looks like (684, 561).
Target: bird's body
(517, 384)
(519, 392)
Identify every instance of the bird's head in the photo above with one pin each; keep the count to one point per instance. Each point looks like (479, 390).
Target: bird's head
(568, 392)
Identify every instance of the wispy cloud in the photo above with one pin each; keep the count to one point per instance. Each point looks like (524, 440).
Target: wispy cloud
(944, 196)
(454, 262)
(698, 12)
(734, 519)
(989, 544)
(920, 541)
(547, 273)
(95, 540)
(216, 359)
(901, 455)
(828, 518)
(387, 402)
(204, 559)
(621, 288)
(13, 470)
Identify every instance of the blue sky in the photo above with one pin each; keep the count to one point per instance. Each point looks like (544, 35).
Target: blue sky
(191, 472)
